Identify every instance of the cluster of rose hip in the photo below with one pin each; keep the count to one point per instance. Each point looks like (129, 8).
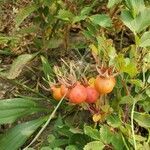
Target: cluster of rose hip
(88, 91)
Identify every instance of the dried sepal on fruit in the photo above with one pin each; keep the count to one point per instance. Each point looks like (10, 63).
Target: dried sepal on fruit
(65, 79)
(66, 74)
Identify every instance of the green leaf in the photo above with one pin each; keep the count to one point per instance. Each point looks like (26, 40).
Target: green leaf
(65, 15)
(58, 143)
(131, 69)
(6, 52)
(86, 10)
(14, 138)
(71, 147)
(92, 29)
(50, 138)
(47, 69)
(140, 138)
(105, 134)
(127, 100)
(148, 92)
(137, 24)
(79, 18)
(136, 82)
(12, 109)
(142, 119)
(6, 39)
(112, 53)
(117, 142)
(28, 30)
(53, 43)
(127, 19)
(114, 121)
(101, 20)
(142, 21)
(88, 34)
(135, 6)
(75, 130)
(145, 104)
(64, 131)
(18, 65)
(113, 138)
(24, 13)
(126, 65)
(48, 2)
(95, 145)
(111, 3)
(143, 146)
(145, 39)
(46, 148)
(80, 140)
(93, 133)
(57, 148)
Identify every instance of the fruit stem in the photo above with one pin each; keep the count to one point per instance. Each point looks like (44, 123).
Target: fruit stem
(99, 102)
(105, 100)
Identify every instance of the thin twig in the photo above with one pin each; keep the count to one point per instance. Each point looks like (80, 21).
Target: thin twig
(45, 125)
(43, 87)
(132, 125)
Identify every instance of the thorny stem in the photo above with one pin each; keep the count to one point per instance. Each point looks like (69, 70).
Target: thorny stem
(45, 125)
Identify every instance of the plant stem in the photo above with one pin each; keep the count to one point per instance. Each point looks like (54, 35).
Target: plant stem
(121, 40)
(136, 40)
(128, 94)
(148, 140)
(132, 125)
(99, 102)
(144, 76)
(45, 125)
(124, 142)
